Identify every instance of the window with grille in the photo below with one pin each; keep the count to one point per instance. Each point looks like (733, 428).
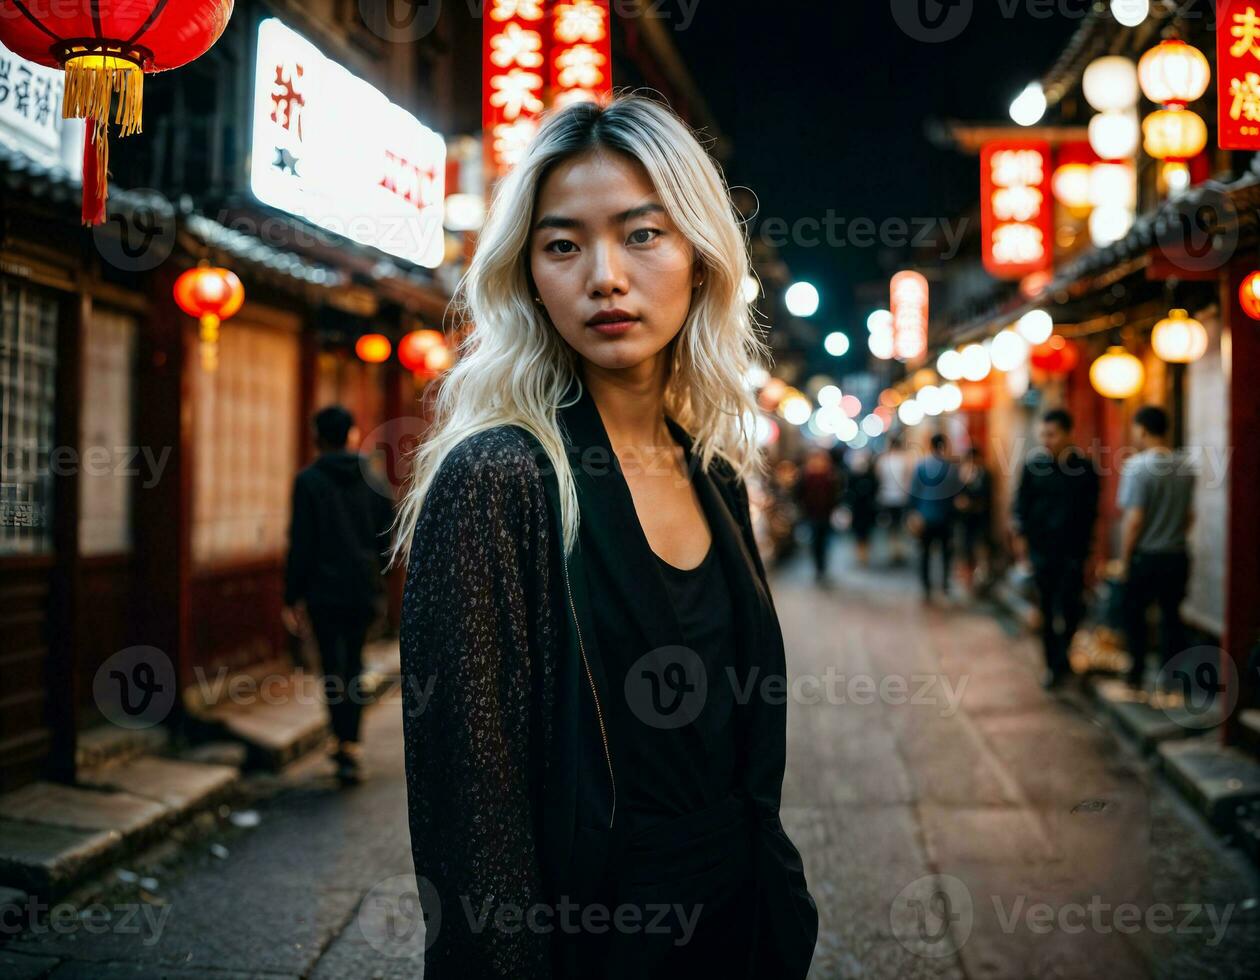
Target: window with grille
(245, 446)
(28, 413)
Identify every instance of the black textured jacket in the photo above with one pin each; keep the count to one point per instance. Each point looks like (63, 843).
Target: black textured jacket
(511, 788)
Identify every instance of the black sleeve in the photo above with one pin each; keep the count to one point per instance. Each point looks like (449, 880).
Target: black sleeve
(474, 620)
(1023, 501)
(303, 527)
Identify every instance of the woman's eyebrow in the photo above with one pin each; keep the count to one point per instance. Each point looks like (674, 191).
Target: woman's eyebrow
(561, 221)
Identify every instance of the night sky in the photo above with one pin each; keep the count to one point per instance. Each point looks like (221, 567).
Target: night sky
(827, 105)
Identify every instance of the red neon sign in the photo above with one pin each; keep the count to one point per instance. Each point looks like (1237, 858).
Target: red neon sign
(1238, 78)
(1016, 208)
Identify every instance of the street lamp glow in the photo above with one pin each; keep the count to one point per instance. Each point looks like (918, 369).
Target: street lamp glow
(847, 430)
(879, 320)
(882, 344)
(836, 344)
(873, 426)
(1035, 326)
(951, 397)
(751, 288)
(1030, 105)
(1130, 13)
(949, 365)
(802, 299)
(910, 412)
(975, 363)
(1009, 350)
(929, 399)
(829, 396)
(796, 409)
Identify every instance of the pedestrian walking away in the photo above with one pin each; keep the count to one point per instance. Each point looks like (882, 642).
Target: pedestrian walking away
(975, 516)
(861, 489)
(933, 490)
(895, 470)
(1056, 506)
(1157, 495)
(584, 589)
(818, 493)
(339, 545)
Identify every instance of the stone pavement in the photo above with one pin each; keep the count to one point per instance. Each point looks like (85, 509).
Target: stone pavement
(955, 821)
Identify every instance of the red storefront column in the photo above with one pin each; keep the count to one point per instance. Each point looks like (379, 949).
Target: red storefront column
(1241, 360)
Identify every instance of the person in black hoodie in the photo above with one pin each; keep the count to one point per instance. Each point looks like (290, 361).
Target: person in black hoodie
(338, 545)
(1055, 510)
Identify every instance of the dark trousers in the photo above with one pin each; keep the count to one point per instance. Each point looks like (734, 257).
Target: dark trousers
(1160, 579)
(936, 537)
(339, 633)
(819, 537)
(1060, 584)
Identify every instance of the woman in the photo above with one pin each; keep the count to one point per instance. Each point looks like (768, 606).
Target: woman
(594, 772)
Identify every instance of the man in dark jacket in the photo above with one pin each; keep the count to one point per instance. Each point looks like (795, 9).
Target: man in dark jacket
(933, 489)
(338, 541)
(1055, 510)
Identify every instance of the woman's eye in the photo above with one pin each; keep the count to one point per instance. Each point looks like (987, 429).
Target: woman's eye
(556, 246)
(641, 236)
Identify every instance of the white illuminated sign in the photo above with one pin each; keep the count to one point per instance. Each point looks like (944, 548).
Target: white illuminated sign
(334, 150)
(30, 114)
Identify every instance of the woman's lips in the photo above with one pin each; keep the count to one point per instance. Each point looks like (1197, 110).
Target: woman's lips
(613, 328)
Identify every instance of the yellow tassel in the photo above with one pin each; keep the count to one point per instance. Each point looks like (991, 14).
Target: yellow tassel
(91, 81)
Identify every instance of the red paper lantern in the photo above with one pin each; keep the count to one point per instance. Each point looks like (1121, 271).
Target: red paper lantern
(413, 348)
(1249, 295)
(106, 48)
(212, 295)
(1058, 355)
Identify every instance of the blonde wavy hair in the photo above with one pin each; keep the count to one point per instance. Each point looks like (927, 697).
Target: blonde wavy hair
(514, 367)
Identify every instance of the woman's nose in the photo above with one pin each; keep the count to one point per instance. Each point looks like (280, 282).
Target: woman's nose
(607, 275)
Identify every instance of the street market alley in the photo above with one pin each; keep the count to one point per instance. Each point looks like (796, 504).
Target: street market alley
(955, 820)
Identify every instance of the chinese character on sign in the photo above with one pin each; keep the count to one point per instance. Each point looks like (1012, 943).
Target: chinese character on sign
(286, 99)
(1238, 81)
(1015, 209)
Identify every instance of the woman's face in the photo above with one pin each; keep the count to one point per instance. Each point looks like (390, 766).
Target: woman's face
(614, 273)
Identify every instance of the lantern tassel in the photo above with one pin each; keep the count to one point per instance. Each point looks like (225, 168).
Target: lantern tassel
(91, 82)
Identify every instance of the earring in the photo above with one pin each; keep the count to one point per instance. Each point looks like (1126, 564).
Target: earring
(538, 300)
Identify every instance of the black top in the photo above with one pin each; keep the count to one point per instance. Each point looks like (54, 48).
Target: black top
(1057, 504)
(678, 737)
(339, 534)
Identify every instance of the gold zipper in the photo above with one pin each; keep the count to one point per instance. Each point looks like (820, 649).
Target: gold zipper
(599, 714)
